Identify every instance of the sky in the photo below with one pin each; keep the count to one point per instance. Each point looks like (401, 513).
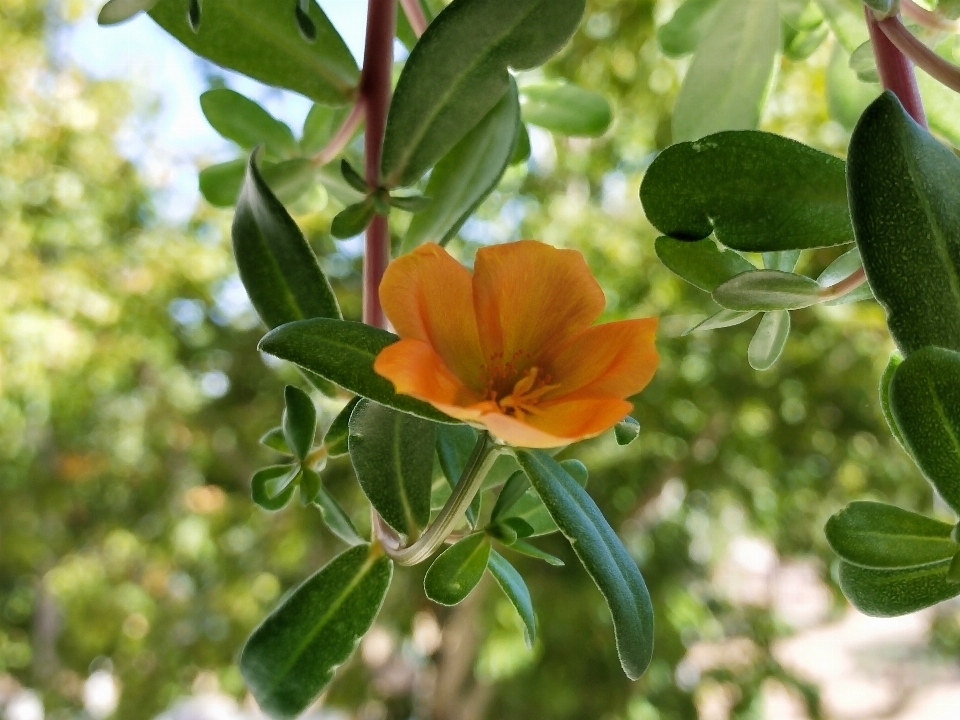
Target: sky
(170, 144)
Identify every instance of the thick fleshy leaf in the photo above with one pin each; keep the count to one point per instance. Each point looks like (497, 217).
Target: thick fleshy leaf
(254, 38)
(118, 11)
(242, 120)
(292, 656)
(723, 318)
(457, 570)
(467, 174)
(904, 195)
(279, 270)
(336, 518)
(925, 400)
(566, 109)
(455, 446)
(728, 82)
(889, 593)
(299, 421)
(602, 554)
(757, 191)
(272, 487)
(410, 203)
(455, 75)
(392, 454)
(885, 380)
(513, 586)
(874, 535)
(627, 430)
(766, 290)
(701, 263)
(525, 548)
(768, 341)
(337, 434)
(682, 33)
(343, 353)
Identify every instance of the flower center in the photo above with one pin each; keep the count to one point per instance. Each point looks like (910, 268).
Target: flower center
(515, 386)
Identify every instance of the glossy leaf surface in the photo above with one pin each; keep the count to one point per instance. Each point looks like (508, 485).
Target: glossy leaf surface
(904, 195)
(756, 191)
(343, 352)
(602, 554)
(457, 570)
(767, 290)
(292, 656)
(392, 454)
(513, 586)
(889, 593)
(455, 75)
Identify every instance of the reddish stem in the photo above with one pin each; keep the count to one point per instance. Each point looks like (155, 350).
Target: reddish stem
(414, 12)
(896, 70)
(375, 92)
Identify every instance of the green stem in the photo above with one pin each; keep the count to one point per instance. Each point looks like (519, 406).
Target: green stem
(484, 455)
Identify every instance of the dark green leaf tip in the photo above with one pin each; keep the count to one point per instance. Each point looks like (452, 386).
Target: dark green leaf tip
(299, 421)
(626, 431)
(353, 219)
(353, 178)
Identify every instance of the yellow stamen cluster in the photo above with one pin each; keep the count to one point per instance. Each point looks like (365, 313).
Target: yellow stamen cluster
(516, 389)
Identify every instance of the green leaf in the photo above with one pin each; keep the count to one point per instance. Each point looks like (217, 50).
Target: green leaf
(784, 261)
(272, 487)
(455, 75)
(279, 270)
(683, 32)
(527, 515)
(455, 446)
(467, 174)
(299, 421)
(953, 572)
(353, 219)
(723, 318)
(925, 400)
(602, 554)
(889, 593)
(525, 548)
(337, 434)
(292, 656)
(289, 179)
(512, 491)
(769, 340)
(757, 191)
(343, 352)
(118, 11)
(803, 15)
(841, 268)
(258, 40)
(766, 290)
(310, 486)
(732, 71)
(904, 192)
(941, 104)
(521, 148)
(626, 431)
(884, 7)
(275, 440)
(220, 184)
(457, 570)
(410, 203)
(565, 109)
(846, 20)
(319, 127)
(306, 26)
(847, 95)
(885, 380)
(874, 535)
(864, 63)
(353, 178)
(240, 119)
(336, 518)
(513, 586)
(799, 45)
(392, 454)
(701, 263)
(405, 32)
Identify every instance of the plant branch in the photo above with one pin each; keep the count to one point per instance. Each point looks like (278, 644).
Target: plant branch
(485, 454)
(906, 42)
(896, 70)
(928, 19)
(414, 12)
(844, 287)
(343, 136)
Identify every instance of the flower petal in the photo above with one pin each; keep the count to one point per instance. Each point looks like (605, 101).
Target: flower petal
(416, 369)
(558, 423)
(428, 296)
(529, 295)
(614, 360)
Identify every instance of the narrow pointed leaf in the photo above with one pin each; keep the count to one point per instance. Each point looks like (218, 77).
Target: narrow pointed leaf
(626, 431)
(722, 319)
(728, 82)
(343, 352)
(353, 219)
(521, 149)
(392, 454)
(118, 11)
(275, 440)
(410, 203)
(756, 191)
(566, 109)
(874, 535)
(272, 487)
(310, 486)
(925, 400)
(337, 434)
(841, 268)
(602, 554)
(683, 32)
(305, 24)
(513, 586)
(257, 39)
(336, 518)
(245, 122)
(701, 263)
(512, 491)
(292, 656)
(353, 178)
(279, 270)
(455, 75)
(527, 514)
(525, 548)
(299, 421)
(457, 570)
(767, 290)
(455, 445)
(467, 174)
(890, 593)
(885, 380)
(769, 340)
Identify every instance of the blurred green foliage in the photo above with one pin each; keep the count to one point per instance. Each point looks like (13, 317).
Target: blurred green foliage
(133, 397)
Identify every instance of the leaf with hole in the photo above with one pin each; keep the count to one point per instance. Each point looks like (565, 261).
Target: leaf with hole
(457, 570)
(293, 655)
(513, 586)
(885, 380)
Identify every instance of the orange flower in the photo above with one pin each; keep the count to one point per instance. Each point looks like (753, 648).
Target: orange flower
(511, 347)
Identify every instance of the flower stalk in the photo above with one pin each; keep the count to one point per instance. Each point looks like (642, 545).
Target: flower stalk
(896, 70)
(907, 43)
(844, 287)
(343, 136)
